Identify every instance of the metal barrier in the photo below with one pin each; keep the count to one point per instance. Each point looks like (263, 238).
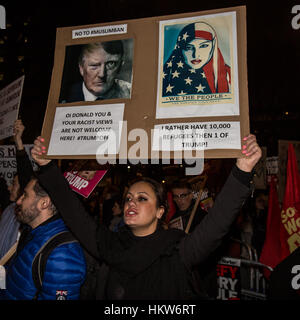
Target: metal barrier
(242, 278)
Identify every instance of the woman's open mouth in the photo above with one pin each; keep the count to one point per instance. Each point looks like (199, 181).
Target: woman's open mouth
(130, 213)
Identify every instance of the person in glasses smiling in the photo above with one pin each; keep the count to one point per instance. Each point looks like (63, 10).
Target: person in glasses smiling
(184, 200)
(143, 261)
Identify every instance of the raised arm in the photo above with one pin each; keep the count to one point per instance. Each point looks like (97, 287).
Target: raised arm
(24, 166)
(208, 235)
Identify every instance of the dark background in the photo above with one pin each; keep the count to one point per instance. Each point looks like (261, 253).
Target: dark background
(27, 47)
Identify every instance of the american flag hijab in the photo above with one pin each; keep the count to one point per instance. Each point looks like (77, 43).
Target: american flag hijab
(180, 78)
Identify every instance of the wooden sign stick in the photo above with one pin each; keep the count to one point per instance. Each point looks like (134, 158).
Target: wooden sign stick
(8, 254)
(187, 229)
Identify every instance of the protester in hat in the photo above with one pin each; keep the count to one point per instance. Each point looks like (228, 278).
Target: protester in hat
(143, 260)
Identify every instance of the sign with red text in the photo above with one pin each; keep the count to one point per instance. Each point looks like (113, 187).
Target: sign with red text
(229, 279)
(84, 182)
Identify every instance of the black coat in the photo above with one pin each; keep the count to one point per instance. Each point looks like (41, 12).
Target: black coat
(157, 266)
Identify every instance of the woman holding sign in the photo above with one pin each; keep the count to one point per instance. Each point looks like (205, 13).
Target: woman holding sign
(144, 261)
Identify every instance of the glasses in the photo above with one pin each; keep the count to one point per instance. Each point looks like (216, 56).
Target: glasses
(181, 195)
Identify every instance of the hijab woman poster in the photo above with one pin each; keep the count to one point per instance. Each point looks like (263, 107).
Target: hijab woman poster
(198, 72)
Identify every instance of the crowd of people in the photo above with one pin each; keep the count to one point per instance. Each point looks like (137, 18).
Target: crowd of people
(125, 248)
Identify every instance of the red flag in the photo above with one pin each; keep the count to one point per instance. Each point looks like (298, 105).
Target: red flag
(271, 251)
(172, 208)
(290, 214)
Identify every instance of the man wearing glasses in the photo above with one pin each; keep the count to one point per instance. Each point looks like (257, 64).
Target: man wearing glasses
(205, 275)
(184, 201)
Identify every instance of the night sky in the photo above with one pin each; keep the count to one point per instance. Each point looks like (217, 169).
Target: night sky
(273, 54)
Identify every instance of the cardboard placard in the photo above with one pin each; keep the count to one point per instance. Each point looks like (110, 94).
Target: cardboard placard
(84, 182)
(183, 75)
(8, 162)
(10, 98)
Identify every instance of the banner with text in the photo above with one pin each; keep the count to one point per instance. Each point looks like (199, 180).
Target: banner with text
(157, 80)
(87, 127)
(197, 135)
(229, 279)
(8, 163)
(10, 98)
(84, 182)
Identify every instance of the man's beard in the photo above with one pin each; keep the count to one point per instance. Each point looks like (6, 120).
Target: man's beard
(27, 215)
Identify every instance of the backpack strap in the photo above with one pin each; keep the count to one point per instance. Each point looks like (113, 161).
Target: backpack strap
(40, 259)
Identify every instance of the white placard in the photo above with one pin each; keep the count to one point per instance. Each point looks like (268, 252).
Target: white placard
(99, 31)
(197, 136)
(10, 98)
(83, 130)
(8, 163)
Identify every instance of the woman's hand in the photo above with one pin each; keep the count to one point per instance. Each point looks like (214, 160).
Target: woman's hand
(38, 151)
(251, 154)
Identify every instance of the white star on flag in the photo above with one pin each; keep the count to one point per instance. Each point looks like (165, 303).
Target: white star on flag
(184, 37)
(200, 88)
(175, 74)
(169, 88)
(203, 75)
(163, 75)
(169, 64)
(192, 71)
(188, 81)
(180, 64)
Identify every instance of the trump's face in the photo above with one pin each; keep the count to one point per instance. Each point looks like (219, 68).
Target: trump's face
(198, 52)
(99, 70)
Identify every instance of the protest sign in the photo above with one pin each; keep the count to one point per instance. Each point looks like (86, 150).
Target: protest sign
(8, 163)
(229, 279)
(154, 83)
(84, 182)
(10, 98)
(272, 168)
(87, 126)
